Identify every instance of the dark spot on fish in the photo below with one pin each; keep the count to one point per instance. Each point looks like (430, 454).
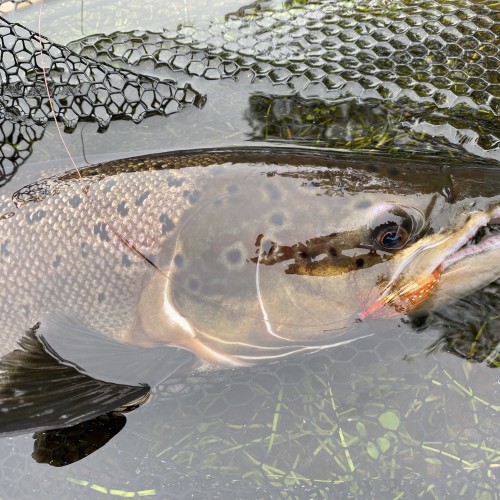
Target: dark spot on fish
(35, 216)
(303, 254)
(108, 186)
(167, 223)
(233, 188)
(195, 196)
(3, 248)
(122, 209)
(192, 196)
(101, 297)
(273, 192)
(142, 198)
(233, 256)
(6, 215)
(360, 262)
(57, 261)
(100, 229)
(267, 245)
(174, 182)
(277, 219)
(194, 284)
(85, 249)
(75, 201)
(126, 262)
(179, 260)
(363, 204)
(27, 309)
(258, 240)
(311, 184)
(332, 251)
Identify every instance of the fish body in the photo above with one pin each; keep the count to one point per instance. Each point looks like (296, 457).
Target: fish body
(152, 267)
(236, 255)
(149, 266)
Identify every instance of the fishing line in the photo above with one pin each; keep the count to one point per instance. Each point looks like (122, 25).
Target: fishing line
(83, 186)
(112, 227)
(269, 327)
(302, 348)
(81, 17)
(82, 142)
(187, 220)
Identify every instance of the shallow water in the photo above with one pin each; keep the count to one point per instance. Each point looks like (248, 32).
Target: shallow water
(375, 418)
(381, 417)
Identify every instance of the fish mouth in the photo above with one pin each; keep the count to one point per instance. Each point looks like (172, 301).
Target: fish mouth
(480, 239)
(479, 234)
(458, 261)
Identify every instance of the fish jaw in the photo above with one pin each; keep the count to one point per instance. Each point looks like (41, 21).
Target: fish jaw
(423, 274)
(175, 320)
(160, 322)
(404, 298)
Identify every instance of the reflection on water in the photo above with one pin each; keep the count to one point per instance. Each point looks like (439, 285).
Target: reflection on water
(390, 126)
(377, 417)
(373, 88)
(394, 414)
(61, 447)
(385, 413)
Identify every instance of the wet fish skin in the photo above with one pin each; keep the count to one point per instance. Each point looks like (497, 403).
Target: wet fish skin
(60, 250)
(239, 256)
(286, 312)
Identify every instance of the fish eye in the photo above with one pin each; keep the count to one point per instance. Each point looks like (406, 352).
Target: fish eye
(391, 236)
(393, 226)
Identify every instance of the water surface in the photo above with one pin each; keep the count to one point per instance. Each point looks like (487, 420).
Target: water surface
(382, 417)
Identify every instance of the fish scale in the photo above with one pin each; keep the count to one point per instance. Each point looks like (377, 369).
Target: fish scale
(254, 254)
(95, 274)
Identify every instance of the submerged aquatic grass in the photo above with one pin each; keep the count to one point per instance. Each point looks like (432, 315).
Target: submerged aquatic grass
(432, 428)
(320, 434)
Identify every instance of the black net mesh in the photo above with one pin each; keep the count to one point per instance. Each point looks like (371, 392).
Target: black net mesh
(344, 74)
(81, 89)
(432, 61)
(381, 77)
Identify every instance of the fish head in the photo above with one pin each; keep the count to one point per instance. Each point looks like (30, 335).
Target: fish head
(444, 266)
(282, 259)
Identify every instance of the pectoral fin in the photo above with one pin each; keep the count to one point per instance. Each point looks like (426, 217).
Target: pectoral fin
(37, 391)
(103, 358)
(63, 374)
